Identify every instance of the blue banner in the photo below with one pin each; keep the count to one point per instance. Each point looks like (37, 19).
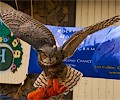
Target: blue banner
(97, 56)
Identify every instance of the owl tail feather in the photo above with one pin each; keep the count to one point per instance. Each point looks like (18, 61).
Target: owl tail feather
(71, 79)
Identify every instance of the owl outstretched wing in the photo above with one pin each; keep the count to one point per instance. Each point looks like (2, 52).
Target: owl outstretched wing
(27, 28)
(74, 41)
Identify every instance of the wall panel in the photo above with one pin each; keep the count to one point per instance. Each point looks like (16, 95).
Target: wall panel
(89, 12)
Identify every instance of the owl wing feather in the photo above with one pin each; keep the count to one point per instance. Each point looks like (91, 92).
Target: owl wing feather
(74, 41)
(27, 28)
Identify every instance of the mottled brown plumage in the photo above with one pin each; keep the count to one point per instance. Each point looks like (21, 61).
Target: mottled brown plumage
(27, 28)
(50, 57)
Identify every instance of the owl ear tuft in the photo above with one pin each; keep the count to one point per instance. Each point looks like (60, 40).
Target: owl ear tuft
(54, 46)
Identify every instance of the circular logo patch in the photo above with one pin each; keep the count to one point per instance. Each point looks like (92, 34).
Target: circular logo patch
(10, 53)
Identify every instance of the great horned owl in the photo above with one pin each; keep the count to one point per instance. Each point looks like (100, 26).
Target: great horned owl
(50, 57)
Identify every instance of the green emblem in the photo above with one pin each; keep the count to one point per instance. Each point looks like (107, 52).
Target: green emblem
(10, 50)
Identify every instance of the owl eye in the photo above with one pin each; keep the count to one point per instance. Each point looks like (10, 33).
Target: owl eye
(43, 55)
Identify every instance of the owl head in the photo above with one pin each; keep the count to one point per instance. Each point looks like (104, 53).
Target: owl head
(48, 55)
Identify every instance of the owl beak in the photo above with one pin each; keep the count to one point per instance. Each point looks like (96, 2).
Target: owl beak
(54, 47)
(49, 59)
